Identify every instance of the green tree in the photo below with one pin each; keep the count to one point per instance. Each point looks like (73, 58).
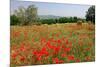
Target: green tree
(27, 15)
(21, 14)
(75, 19)
(14, 20)
(90, 14)
(31, 14)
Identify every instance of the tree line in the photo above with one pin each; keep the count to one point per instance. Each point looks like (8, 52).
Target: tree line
(61, 20)
(29, 16)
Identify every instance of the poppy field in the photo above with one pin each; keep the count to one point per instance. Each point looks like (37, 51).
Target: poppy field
(52, 44)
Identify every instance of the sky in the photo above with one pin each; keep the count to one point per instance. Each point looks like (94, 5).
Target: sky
(57, 9)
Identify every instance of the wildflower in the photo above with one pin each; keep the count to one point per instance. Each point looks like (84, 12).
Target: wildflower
(71, 58)
(66, 41)
(39, 58)
(50, 46)
(35, 52)
(63, 55)
(43, 40)
(16, 34)
(44, 51)
(59, 41)
(14, 55)
(56, 60)
(22, 48)
(87, 49)
(22, 58)
(77, 60)
(57, 49)
(87, 58)
(67, 49)
(63, 46)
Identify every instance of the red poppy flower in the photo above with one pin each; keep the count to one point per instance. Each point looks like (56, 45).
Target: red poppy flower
(39, 58)
(66, 41)
(59, 41)
(44, 51)
(22, 48)
(63, 46)
(71, 58)
(77, 60)
(56, 60)
(22, 58)
(67, 49)
(35, 52)
(63, 55)
(14, 55)
(57, 49)
(87, 58)
(16, 34)
(43, 40)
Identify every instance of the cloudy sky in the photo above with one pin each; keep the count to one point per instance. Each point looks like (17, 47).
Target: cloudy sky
(57, 9)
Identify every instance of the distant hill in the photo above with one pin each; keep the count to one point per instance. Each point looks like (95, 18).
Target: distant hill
(48, 17)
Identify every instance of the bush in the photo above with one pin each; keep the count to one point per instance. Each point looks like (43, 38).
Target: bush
(48, 21)
(79, 23)
(14, 20)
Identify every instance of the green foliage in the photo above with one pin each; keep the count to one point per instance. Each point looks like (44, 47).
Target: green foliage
(14, 20)
(31, 14)
(26, 16)
(59, 20)
(48, 21)
(63, 20)
(90, 15)
(68, 19)
(20, 13)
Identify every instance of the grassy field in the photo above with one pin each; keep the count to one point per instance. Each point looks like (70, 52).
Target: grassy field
(50, 44)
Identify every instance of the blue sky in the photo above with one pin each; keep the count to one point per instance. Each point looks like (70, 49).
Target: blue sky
(57, 9)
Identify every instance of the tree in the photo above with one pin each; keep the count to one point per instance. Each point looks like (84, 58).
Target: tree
(21, 14)
(75, 19)
(90, 14)
(27, 15)
(31, 14)
(14, 20)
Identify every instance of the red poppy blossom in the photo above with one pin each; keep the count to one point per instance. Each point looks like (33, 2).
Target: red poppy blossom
(66, 41)
(57, 49)
(87, 58)
(63, 55)
(14, 55)
(71, 58)
(22, 48)
(39, 58)
(77, 60)
(67, 49)
(59, 41)
(56, 60)
(22, 58)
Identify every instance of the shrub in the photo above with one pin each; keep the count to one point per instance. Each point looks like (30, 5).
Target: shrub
(79, 23)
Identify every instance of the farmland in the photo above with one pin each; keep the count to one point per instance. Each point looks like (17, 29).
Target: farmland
(51, 44)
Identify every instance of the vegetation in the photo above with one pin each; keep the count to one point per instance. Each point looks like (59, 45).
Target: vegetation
(54, 41)
(25, 16)
(28, 16)
(52, 44)
(90, 15)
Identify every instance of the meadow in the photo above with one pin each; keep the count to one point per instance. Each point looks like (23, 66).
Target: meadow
(52, 44)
